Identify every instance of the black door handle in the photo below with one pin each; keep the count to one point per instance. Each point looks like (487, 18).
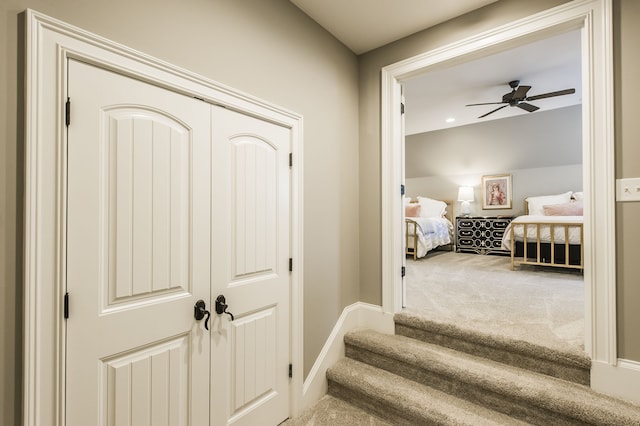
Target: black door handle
(221, 306)
(199, 311)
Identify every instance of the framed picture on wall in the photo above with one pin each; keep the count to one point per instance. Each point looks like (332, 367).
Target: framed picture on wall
(496, 192)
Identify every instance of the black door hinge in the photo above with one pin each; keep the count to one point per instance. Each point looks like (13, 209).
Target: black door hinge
(290, 370)
(401, 108)
(290, 159)
(290, 264)
(66, 305)
(401, 189)
(67, 112)
(403, 271)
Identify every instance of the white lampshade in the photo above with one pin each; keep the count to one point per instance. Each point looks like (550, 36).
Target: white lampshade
(465, 193)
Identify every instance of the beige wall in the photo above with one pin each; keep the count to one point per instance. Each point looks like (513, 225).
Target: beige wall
(270, 49)
(627, 88)
(267, 48)
(627, 145)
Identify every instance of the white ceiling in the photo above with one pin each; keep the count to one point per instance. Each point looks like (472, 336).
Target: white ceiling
(547, 65)
(362, 25)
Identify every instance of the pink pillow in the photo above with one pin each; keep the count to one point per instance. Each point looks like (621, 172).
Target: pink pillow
(412, 210)
(567, 209)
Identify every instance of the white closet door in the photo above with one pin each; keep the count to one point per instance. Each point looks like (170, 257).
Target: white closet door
(250, 268)
(138, 253)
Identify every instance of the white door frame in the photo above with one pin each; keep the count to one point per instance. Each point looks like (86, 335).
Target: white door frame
(49, 44)
(594, 18)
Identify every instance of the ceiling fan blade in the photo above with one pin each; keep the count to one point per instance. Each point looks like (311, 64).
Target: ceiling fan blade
(487, 103)
(521, 92)
(551, 94)
(527, 107)
(507, 97)
(491, 112)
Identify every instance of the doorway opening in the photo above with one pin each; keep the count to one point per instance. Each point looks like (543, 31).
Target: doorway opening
(466, 279)
(592, 20)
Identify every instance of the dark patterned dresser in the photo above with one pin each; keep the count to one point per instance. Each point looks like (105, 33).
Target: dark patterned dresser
(481, 234)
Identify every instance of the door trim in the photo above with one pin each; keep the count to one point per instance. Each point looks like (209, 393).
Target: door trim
(49, 43)
(594, 18)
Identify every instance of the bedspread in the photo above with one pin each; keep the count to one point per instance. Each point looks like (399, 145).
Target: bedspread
(432, 232)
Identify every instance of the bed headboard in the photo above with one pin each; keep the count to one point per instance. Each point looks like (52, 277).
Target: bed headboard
(449, 213)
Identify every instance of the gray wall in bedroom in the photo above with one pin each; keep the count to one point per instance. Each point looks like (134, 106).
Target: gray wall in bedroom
(542, 151)
(526, 183)
(540, 139)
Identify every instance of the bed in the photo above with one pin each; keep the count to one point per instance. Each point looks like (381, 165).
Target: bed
(549, 234)
(428, 225)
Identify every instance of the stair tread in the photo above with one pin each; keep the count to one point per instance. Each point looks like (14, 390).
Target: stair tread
(330, 411)
(569, 356)
(419, 401)
(550, 393)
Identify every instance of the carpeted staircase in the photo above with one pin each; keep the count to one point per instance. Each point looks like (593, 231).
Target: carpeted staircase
(432, 373)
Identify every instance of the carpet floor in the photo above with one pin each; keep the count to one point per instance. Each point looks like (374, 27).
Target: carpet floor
(539, 305)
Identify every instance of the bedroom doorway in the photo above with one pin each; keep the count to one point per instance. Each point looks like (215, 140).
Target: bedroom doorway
(463, 274)
(592, 19)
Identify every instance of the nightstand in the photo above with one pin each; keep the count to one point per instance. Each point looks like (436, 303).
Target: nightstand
(481, 234)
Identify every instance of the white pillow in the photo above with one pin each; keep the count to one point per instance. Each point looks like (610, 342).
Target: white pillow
(578, 196)
(406, 200)
(536, 204)
(431, 208)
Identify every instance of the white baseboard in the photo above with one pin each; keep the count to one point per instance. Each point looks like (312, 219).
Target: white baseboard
(621, 380)
(357, 315)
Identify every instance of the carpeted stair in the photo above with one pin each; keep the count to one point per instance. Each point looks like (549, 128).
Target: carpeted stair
(431, 373)
(570, 363)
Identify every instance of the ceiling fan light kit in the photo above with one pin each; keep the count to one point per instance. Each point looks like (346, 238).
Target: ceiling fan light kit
(518, 98)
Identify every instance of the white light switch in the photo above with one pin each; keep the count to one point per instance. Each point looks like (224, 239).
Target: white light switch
(628, 189)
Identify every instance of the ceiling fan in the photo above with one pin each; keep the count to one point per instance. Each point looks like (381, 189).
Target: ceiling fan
(518, 98)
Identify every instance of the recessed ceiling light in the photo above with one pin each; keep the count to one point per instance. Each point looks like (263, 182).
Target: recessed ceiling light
(450, 120)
